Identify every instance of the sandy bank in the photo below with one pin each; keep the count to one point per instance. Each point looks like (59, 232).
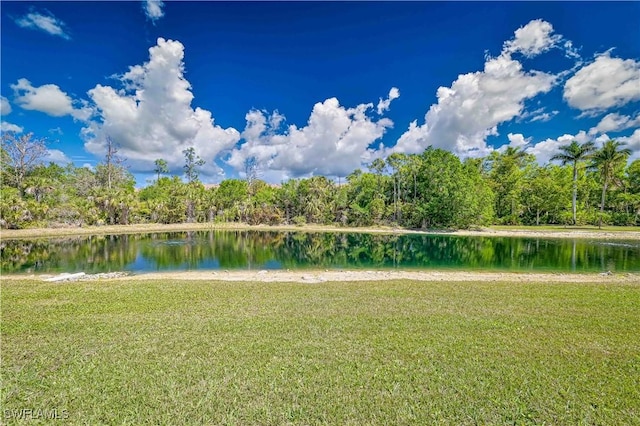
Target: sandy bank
(588, 233)
(344, 276)
(354, 275)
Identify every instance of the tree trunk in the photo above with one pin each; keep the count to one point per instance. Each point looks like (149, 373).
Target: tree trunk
(190, 211)
(395, 200)
(575, 193)
(604, 193)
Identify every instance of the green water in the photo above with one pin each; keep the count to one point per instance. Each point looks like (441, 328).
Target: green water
(298, 250)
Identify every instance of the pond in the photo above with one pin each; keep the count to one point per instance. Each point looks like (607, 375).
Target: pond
(229, 250)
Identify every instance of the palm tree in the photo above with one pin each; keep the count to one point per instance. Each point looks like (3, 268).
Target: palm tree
(573, 153)
(517, 154)
(39, 186)
(161, 167)
(606, 159)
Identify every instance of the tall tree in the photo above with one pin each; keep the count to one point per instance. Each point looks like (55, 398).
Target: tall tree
(507, 178)
(572, 154)
(396, 161)
(22, 154)
(161, 167)
(192, 162)
(112, 171)
(606, 159)
(378, 167)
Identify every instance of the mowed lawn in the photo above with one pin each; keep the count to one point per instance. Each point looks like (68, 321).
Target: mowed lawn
(195, 352)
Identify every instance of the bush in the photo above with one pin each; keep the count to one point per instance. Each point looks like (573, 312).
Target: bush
(624, 219)
(299, 220)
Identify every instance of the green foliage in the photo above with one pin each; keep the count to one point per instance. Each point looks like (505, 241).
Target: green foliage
(231, 199)
(161, 167)
(13, 209)
(192, 162)
(450, 194)
(573, 154)
(609, 160)
(431, 190)
(164, 201)
(507, 177)
(546, 195)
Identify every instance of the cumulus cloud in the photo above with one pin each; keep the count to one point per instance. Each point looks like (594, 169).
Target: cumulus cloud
(5, 106)
(153, 9)
(56, 156)
(533, 39)
(547, 148)
(544, 116)
(10, 127)
(615, 122)
(632, 142)
(151, 116)
(49, 99)
(476, 103)
(517, 140)
(335, 141)
(604, 83)
(43, 22)
(384, 104)
(539, 114)
(472, 108)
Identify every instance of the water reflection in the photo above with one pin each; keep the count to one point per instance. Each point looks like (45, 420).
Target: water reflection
(295, 250)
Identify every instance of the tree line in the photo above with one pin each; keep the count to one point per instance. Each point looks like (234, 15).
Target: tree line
(435, 189)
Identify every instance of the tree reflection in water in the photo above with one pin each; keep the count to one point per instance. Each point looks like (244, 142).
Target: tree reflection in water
(297, 250)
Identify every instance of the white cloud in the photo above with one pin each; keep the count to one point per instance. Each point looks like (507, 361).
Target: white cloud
(476, 103)
(9, 127)
(472, 108)
(546, 149)
(5, 106)
(153, 9)
(632, 142)
(383, 105)
(151, 116)
(536, 115)
(56, 156)
(533, 39)
(335, 141)
(544, 116)
(615, 122)
(605, 83)
(49, 99)
(517, 140)
(47, 23)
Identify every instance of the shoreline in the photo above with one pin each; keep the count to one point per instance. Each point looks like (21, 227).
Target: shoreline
(325, 276)
(518, 232)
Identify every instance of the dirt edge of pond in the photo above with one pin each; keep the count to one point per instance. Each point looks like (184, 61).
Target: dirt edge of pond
(158, 228)
(304, 276)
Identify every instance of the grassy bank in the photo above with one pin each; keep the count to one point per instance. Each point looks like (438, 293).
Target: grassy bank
(631, 232)
(398, 352)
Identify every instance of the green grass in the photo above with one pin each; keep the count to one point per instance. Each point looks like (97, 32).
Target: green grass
(190, 352)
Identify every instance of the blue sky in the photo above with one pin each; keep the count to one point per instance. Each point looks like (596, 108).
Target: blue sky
(316, 88)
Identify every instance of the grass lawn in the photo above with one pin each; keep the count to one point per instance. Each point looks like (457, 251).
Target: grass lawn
(399, 352)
